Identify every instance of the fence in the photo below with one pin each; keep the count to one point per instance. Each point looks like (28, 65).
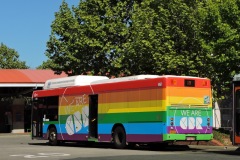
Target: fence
(222, 117)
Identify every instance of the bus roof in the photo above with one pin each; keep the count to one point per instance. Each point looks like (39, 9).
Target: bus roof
(236, 77)
(138, 77)
(80, 80)
(83, 80)
(123, 79)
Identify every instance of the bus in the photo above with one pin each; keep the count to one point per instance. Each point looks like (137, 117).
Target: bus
(141, 109)
(235, 134)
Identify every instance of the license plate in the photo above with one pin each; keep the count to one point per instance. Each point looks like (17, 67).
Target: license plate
(191, 138)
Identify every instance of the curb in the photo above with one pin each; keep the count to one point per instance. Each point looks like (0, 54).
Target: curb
(15, 134)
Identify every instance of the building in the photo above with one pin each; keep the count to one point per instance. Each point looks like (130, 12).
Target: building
(16, 87)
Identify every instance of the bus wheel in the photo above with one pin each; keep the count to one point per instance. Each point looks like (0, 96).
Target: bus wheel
(53, 137)
(119, 137)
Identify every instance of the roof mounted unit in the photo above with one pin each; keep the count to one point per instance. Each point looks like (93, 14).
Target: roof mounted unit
(80, 80)
(123, 79)
(236, 77)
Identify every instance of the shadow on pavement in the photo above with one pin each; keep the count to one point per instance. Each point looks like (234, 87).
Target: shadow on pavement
(39, 144)
(130, 147)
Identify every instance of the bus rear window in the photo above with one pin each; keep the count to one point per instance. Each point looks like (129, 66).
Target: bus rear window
(189, 83)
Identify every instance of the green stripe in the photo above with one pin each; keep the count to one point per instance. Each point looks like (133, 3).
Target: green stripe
(50, 122)
(139, 117)
(63, 118)
(194, 112)
(132, 117)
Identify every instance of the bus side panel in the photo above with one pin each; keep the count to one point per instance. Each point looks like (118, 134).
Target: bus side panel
(63, 133)
(139, 126)
(73, 117)
(140, 111)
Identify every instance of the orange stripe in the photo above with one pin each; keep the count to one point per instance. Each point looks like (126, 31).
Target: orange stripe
(144, 95)
(187, 91)
(131, 96)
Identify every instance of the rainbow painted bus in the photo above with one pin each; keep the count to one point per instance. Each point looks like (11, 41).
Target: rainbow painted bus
(136, 109)
(235, 134)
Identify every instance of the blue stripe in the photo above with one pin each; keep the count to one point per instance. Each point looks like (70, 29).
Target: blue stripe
(135, 128)
(130, 128)
(84, 130)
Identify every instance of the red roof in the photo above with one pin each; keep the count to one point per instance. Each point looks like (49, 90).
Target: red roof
(27, 75)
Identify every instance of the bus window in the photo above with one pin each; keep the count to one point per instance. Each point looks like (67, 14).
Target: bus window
(51, 110)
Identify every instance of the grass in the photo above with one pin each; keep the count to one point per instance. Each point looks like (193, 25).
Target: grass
(222, 136)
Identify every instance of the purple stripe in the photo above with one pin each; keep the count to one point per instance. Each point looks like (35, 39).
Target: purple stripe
(134, 137)
(108, 137)
(45, 136)
(83, 137)
(179, 130)
(74, 137)
(144, 138)
(105, 137)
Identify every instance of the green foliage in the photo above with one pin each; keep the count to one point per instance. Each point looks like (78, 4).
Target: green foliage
(221, 136)
(220, 40)
(181, 37)
(9, 59)
(46, 64)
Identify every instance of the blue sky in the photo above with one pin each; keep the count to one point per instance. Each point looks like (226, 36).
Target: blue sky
(25, 25)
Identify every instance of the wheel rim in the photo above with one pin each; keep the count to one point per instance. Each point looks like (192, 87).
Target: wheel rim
(52, 136)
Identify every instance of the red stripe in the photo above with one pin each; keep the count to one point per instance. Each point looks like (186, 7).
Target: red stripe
(161, 82)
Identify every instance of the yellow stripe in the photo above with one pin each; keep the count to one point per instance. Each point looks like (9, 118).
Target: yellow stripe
(141, 106)
(66, 110)
(186, 100)
(138, 106)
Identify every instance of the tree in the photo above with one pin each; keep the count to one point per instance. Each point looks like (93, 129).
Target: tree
(142, 44)
(46, 64)
(9, 59)
(180, 37)
(89, 37)
(162, 39)
(220, 40)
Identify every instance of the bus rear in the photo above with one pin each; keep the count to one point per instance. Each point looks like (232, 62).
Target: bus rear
(189, 109)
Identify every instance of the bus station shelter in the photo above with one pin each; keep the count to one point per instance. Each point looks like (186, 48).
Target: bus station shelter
(16, 87)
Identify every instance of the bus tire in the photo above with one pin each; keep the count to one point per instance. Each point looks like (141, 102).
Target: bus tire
(52, 137)
(119, 138)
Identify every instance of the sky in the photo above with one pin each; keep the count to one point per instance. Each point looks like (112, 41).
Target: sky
(25, 26)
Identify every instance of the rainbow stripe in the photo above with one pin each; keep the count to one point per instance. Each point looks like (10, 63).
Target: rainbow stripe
(152, 114)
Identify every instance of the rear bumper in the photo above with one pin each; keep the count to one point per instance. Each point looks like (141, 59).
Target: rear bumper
(186, 137)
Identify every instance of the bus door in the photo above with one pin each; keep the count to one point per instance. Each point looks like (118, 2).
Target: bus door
(37, 119)
(236, 116)
(93, 116)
